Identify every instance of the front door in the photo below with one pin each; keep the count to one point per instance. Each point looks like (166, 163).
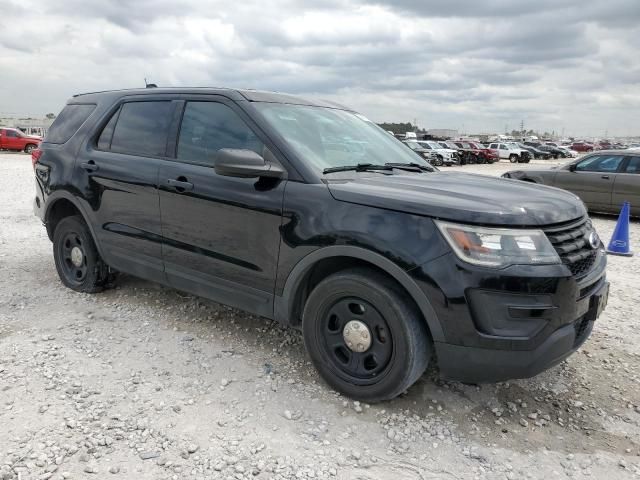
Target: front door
(221, 235)
(592, 180)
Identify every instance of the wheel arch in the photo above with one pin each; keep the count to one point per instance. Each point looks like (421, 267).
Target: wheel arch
(60, 205)
(309, 271)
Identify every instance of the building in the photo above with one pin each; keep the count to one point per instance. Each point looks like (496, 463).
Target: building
(29, 125)
(442, 133)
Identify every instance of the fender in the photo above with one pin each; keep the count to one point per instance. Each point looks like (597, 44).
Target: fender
(283, 306)
(57, 195)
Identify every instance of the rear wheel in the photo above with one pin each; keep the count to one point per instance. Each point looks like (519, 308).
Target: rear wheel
(513, 158)
(76, 257)
(363, 335)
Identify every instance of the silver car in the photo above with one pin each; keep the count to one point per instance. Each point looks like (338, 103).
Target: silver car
(604, 180)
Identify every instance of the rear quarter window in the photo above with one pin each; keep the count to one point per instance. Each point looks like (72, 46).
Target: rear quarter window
(68, 122)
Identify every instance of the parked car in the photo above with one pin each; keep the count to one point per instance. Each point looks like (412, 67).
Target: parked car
(479, 155)
(431, 156)
(466, 156)
(312, 215)
(14, 139)
(553, 151)
(510, 151)
(490, 155)
(582, 147)
(568, 152)
(448, 156)
(535, 153)
(604, 180)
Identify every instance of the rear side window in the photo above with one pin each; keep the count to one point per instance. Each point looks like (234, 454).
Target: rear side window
(68, 122)
(142, 128)
(104, 142)
(208, 127)
(633, 166)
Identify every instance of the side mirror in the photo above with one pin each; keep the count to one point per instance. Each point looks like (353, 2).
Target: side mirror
(232, 162)
(572, 167)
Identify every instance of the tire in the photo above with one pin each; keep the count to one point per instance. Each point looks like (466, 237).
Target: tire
(439, 161)
(400, 346)
(480, 160)
(84, 271)
(30, 148)
(513, 158)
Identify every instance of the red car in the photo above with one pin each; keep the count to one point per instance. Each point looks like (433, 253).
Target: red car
(14, 139)
(489, 155)
(582, 147)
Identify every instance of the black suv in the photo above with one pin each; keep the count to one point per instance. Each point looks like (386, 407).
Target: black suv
(309, 213)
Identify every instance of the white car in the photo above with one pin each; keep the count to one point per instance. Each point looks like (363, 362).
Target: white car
(511, 151)
(449, 155)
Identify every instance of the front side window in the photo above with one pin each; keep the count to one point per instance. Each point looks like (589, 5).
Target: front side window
(503, 147)
(208, 127)
(600, 163)
(142, 128)
(329, 137)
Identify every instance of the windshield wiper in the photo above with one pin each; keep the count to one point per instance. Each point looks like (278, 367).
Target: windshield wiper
(412, 166)
(360, 167)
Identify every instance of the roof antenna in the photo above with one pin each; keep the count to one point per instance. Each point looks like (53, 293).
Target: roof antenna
(149, 85)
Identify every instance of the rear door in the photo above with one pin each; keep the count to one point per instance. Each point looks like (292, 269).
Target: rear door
(121, 164)
(592, 180)
(221, 234)
(627, 186)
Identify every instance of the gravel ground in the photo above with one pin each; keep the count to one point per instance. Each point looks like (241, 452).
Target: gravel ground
(146, 382)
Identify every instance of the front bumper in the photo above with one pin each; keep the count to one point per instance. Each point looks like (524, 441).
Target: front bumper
(511, 323)
(477, 365)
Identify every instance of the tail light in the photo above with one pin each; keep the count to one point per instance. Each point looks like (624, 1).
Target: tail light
(35, 156)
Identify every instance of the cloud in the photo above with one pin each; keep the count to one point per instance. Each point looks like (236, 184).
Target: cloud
(563, 64)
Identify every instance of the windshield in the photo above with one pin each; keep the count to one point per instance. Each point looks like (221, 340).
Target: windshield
(328, 137)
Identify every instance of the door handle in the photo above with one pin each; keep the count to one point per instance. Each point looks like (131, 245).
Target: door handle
(606, 177)
(89, 166)
(180, 184)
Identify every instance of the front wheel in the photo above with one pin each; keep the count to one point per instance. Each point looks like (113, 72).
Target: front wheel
(439, 161)
(364, 337)
(513, 158)
(76, 257)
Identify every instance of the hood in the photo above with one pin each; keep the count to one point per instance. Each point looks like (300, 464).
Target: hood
(446, 150)
(460, 197)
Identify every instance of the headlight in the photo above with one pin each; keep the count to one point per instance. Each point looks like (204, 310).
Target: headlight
(498, 247)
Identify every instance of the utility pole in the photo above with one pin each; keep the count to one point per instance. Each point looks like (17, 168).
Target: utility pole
(522, 126)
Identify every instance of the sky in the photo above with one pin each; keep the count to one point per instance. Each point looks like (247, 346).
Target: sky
(569, 66)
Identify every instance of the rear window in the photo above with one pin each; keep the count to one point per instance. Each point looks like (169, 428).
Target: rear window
(68, 122)
(142, 128)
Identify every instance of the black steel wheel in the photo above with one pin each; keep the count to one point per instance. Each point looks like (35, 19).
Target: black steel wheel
(77, 260)
(363, 334)
(356, 338)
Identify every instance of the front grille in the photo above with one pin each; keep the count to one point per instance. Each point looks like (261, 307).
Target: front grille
(572, 244)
